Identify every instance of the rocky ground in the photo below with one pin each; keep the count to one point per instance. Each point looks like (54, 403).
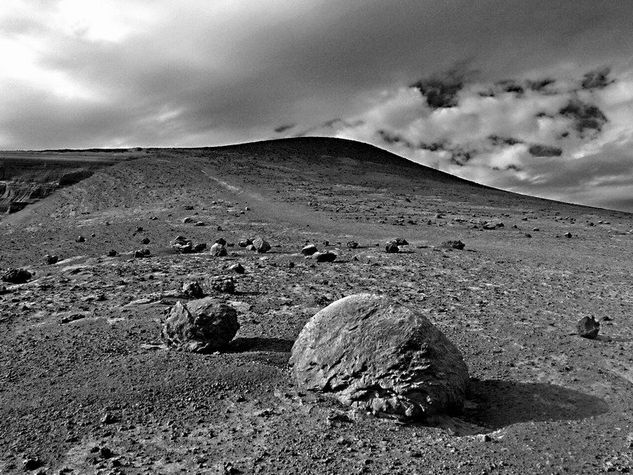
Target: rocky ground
(87, 385)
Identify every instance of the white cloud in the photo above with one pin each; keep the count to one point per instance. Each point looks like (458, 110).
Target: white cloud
(488, 136)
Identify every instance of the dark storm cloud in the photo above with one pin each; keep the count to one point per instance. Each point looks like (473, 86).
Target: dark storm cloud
(243, 70)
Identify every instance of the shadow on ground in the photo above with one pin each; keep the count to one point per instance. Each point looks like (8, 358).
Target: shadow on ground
(499, 404)
(277, 345)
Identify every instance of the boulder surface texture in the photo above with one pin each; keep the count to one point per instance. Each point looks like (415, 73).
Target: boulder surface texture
(376, 355)
(200, 326)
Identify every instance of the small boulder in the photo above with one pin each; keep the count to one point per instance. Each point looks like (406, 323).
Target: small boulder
(261, 245)
(50, 260)
(376, 355)
(80, 239)
(200, 326)
(192, 290)
(201, 246)
(145, 241)
(237, 268)
(391, 248)
(141, 253)
(567, 235)
(352, 244)
(221, 241)
(187, 220)
(309, 249)
(588, 327)
(245, 242)
(182, 245)
(453, 245)
(327, 256)
(112, 253)
(221, 284)
(17, 276)
(218, 250)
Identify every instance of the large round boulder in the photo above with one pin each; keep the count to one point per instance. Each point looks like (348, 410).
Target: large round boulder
(200, 326)
(376, 355)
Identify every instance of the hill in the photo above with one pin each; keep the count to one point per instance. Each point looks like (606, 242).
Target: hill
(86, 384)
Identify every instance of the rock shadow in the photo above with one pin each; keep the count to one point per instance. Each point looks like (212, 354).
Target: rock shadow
(495, 404)
(276, 345)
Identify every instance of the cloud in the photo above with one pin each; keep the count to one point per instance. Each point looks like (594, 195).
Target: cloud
(561, 138)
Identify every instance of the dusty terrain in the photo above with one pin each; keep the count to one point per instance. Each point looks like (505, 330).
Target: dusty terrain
(87, 387)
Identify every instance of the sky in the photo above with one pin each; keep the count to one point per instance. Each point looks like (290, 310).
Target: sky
(530, 96)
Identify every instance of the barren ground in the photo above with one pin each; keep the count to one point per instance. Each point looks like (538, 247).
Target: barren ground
(99, 394)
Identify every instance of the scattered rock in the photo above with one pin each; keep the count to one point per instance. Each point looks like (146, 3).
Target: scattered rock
(141, 253)
(237, 268)
(145, 240)
(31, 463)
(182, 245)
(528, 235)
(186, 246)
(374, 354)
(453, 245)
(245, 242)
(199, 223)
(17, 276)
(309, 249)
(392, 248)
(352, 244)
(261, 245)
(187, 220)
(489, 225)
(567, 235)
(339, 416)
(221, 284)
(80, 239)
(192, 290)
(50, 260)
(72, 317)
(200, 326)
(588, 327)
(108, 418)
(112, 253)
(201, 246)
(218, 250)
(327, 256)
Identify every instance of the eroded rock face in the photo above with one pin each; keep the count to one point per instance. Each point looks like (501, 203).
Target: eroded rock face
(376, 355)
(200, 326)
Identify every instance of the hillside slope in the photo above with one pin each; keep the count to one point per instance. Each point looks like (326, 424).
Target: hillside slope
(86, 385)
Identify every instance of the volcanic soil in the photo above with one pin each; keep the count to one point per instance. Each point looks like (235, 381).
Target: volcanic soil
(86, 385)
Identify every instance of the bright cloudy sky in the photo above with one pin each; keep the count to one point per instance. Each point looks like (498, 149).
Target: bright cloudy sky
(532, 96)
